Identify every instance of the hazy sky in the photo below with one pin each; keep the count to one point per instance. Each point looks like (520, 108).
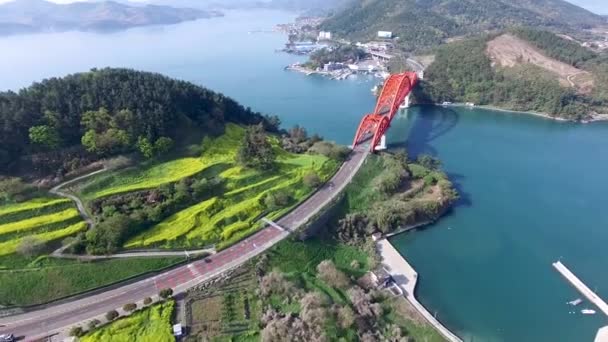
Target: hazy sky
(597, 6)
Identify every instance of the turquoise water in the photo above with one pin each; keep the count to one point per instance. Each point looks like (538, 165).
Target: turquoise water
(533, 190)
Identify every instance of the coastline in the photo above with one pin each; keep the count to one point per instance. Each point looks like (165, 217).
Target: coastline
(594, 118)
(406, 277)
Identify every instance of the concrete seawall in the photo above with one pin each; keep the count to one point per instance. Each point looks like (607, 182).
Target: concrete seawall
(406, 278)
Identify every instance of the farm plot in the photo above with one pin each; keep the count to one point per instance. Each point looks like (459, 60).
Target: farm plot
(229, 216)
(43, 219)
(149, 325)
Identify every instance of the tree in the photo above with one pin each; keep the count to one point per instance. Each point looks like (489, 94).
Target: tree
(312, 180)
(145, 147)
(129, 307)
(165, 293)
(30, 246)
(94, 324)
(163, 145)
(46, 136)
(277, 200)
(147, 301)
(331, 275)
(255, 150)
(429, 162)
(112, 315)
(13, 189)
(298, 134)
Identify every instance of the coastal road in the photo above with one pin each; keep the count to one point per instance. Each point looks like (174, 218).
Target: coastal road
(59, 318)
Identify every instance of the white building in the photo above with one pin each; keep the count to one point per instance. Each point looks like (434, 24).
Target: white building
(324, 35)
(385, 34)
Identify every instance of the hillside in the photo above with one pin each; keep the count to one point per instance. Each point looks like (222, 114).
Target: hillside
(421, 24)
(60, 124)
(520, 70)
(29, 16)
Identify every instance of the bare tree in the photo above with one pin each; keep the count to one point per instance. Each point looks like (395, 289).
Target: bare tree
(329, 273)
(30, 246)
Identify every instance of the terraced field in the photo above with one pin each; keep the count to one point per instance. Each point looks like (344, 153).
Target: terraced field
(46, 219)
(217, 151)
(232, 215)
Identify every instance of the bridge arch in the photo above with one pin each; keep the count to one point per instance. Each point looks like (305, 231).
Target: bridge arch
(396, 88)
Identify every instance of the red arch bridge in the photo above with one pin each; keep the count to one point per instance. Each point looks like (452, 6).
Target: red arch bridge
(396, 90)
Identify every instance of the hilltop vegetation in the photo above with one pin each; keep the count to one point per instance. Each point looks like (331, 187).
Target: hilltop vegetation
(463, 72)
(196, 201)
(422, 24)
(60, 124)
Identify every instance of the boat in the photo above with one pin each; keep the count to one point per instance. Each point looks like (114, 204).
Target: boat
(575, 302)
(588, 312)
(446, 103)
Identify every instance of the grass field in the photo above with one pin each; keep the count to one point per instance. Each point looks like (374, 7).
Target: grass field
(227, 217)
(152, 324)
(60, 278)
(33, 204)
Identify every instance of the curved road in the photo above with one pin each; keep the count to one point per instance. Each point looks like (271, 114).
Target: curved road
(60, 318)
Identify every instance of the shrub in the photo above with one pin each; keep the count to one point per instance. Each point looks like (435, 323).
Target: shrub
(94, 323)
(147, 301)
(129, 307)
(429, 179)
(76, 331)
(112, 315)
(30, 246)
(165, 293)
(312, 180)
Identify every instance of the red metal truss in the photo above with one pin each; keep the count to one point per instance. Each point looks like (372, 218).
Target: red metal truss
(394, 92)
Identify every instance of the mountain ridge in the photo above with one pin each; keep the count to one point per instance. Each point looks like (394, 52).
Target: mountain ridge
(30, 16)
(430, 23)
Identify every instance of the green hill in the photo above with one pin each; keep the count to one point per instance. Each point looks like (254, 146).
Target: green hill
(521, 69)
(61, 123)
(421, 24)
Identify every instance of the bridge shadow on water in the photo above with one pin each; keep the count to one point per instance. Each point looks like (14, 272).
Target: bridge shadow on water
(429, 123)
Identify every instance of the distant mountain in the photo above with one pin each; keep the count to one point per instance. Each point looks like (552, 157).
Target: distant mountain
(295, 5)
(28, 16)
(424, 23)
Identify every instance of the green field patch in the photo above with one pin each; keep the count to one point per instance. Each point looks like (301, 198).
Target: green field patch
(36, 203)
(152, 324)
(9, 247)
(62, 278)
(142, 178)
(34, 222)
(175, 226)
(45, 228)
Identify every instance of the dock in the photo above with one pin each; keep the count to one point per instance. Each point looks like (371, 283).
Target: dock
(406, 278)
(581, 287)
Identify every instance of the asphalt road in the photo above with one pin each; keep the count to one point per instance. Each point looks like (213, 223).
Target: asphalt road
(60, 318)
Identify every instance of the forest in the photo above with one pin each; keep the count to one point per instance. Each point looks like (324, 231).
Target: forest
(423, 24)
(64, 123)
(462, 72)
